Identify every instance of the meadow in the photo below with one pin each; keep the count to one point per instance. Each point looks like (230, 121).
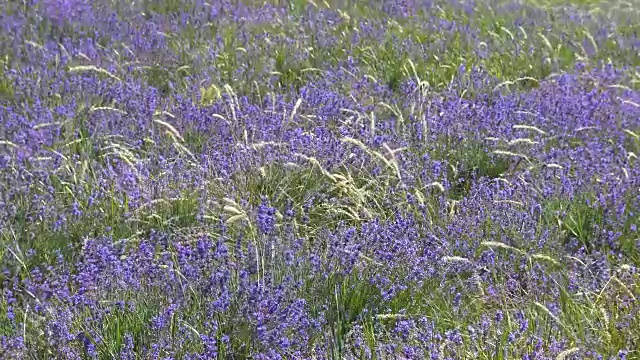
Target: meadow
(319, 179)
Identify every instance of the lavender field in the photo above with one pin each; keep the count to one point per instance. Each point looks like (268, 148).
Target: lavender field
(319, 179)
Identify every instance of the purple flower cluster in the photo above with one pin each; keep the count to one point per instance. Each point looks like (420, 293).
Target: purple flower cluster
(405, 179)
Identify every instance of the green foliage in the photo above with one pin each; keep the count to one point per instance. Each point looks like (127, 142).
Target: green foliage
(632, 144)
(468, 161)
(162, 78)
(121, 321)
(578, 219)
(7, 327)
(352, 300)
(208, 96)
(6, 87)
(166, 7)
(346, 195)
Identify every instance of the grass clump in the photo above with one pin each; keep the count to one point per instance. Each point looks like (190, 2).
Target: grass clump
(327, 179)
(578, 219)
(6, 88)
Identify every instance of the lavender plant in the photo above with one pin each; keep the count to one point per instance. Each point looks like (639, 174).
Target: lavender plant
(319, 180)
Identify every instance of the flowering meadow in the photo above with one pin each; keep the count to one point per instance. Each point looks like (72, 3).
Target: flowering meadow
(309, 179)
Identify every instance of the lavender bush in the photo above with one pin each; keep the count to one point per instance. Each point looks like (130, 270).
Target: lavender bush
(319, 179)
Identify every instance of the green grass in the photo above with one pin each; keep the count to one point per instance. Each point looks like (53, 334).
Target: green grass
(381, 59)
(576, 219)
(6, 88)
(346, 196)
